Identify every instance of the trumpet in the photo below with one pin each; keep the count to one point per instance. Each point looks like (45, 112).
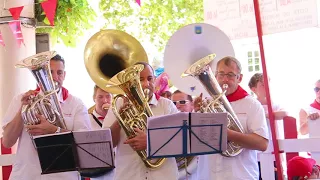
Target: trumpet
(106, 106)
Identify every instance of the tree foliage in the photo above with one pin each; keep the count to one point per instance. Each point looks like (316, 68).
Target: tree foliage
(155, 20)
(73, 18)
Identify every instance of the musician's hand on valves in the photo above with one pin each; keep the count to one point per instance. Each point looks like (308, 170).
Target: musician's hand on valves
(139, 142)
(197, 103)
(314, 116)
(44, 127)
(26, 97)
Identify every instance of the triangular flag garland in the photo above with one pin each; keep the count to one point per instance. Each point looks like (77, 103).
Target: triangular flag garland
(15, 27)
(138, 2)
(49, 7)
(15, 12)
(1, 40)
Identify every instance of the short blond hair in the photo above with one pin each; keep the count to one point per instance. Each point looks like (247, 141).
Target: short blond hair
(227, 61)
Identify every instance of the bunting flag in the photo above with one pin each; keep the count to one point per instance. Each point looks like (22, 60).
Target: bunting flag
(1, 40)
(15, 12)
(49, 7)
(139, 3)
(15, 27)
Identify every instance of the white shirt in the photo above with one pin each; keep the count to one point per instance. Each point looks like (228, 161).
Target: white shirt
(244, 166)
(27, 165)
(129, 165)
(96, 126)
(279, 126)
(93, 122)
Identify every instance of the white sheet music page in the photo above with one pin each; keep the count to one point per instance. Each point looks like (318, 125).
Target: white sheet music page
(164, 131)
(212, 127)
(99, 145)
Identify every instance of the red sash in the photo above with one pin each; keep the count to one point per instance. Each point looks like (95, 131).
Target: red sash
(315, 104)
(157, 96)
(65, 93)
(238, 94)
(101, 118)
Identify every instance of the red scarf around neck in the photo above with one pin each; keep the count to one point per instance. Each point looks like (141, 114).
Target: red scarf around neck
(315, 104)
(238, 94)
(65, 92)
(157, 96)
(101, 118)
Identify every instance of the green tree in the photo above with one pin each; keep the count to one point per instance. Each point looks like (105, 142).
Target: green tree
(155, 20)
(73, 18)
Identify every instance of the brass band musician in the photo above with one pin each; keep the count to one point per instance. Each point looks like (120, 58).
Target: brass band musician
(129, 164)
(27, 165)
(250, 113)
(102, 101)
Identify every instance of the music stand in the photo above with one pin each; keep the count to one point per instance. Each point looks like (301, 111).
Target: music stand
(75, 151)
(186, 134)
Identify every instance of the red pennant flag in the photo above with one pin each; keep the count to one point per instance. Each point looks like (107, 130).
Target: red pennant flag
(49, 7)
(139, 3)
(1, 40)
(15, 27)
(15, 12)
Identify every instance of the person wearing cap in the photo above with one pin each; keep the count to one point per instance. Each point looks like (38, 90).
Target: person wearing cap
(300, 168)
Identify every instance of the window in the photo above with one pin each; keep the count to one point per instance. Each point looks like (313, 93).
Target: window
(254, 64)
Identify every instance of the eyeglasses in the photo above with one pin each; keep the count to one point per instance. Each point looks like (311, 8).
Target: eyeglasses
(229, 75)
(181, 102)
(316, 89)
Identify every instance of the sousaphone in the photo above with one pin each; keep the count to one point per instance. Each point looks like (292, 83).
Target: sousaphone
(107, 53)
(190, 56)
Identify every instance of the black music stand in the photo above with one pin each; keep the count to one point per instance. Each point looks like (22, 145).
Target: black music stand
(75, 151)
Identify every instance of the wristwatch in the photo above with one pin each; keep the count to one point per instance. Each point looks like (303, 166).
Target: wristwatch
(58, 130)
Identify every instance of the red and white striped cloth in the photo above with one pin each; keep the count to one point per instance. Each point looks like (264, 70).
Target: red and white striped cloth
(6, 170)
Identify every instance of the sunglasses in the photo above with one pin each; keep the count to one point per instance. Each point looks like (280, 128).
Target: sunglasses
(181, 102)
(316, 89)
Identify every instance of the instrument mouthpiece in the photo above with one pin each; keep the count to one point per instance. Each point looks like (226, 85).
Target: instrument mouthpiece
(225, 87)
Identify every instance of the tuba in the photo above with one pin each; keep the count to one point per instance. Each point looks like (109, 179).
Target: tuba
(110, 56)
(192, 58)
(47, 103)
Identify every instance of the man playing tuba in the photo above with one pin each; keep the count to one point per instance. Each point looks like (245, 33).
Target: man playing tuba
(27, 165)
(250, 113)
(129, 164)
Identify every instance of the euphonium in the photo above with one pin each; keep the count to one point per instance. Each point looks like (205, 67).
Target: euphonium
(189, 53)
(201, 70)
(47, 103)
(137, 111)
(111, 54)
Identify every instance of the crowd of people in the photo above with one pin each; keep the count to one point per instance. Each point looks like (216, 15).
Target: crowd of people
(251, 112)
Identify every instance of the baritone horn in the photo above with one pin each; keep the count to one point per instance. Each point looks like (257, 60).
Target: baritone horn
(46, 102)
(190, 53)
(110, 56)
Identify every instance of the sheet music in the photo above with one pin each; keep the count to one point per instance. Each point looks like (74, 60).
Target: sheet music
(210, 135)
(161, 136)
(170, 135)
(94, 148)
(47, 135)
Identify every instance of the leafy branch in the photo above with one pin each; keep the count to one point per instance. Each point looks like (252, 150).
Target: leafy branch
(73, 18)
(155, 20)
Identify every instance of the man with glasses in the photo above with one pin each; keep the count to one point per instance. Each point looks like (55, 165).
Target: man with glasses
(255, 137)
(183, 102)
(311, 112)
